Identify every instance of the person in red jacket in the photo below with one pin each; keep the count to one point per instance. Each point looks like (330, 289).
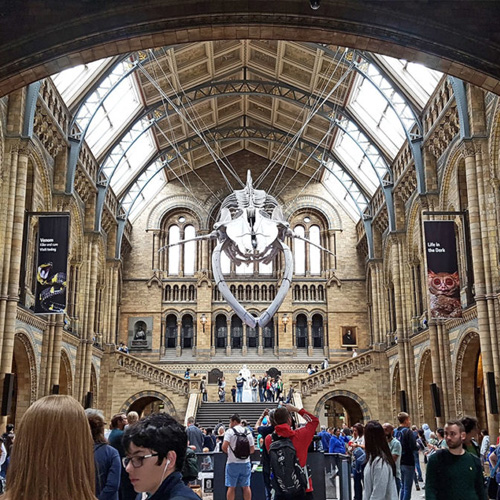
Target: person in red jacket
(301, 438)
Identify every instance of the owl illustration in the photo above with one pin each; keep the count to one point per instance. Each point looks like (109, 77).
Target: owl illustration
(445, 295)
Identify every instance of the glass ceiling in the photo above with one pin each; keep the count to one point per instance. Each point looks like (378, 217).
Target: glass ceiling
(118, 129)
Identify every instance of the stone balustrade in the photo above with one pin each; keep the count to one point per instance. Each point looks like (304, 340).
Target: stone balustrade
(148, 371)
(339, 372)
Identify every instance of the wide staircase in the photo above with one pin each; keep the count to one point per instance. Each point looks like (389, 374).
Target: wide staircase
(209, 414)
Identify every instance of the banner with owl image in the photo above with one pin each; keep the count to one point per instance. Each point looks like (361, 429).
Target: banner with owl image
(442, 269)
(52, 264)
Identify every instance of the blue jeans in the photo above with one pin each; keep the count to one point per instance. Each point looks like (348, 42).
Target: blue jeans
(418, 470)
(239, 394)
(407, 475)
(358, 485)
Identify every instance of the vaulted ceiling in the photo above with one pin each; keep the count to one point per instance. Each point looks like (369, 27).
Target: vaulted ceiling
(336, 115)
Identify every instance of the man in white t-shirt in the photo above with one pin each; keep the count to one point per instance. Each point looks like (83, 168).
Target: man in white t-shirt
(238, 470)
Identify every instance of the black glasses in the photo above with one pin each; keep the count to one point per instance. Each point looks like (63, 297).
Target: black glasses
(136, 461)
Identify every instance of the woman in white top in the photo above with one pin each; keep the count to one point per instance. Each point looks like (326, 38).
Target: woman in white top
(380, 469)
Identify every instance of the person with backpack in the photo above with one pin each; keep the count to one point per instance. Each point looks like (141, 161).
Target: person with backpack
(287, 480)
(240, 381)
(239, 445)
(265, 426)
(203, 389)
(408, 441)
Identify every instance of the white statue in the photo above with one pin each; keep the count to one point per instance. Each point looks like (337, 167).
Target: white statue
(247, 392)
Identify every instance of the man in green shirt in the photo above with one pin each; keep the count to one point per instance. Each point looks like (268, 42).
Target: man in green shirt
(454, 473)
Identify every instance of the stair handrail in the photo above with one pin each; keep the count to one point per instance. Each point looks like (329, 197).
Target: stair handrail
(306, 384)
(135, 366)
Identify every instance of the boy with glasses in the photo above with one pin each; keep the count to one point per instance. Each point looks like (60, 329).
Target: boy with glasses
(155, 449)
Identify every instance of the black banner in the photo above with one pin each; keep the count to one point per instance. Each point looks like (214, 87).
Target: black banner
(442, 269)
(52, 264)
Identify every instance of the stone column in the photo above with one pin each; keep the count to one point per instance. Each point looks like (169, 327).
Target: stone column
(260, 348)
(309, 338)
(472, 174)
(244, 340)
(178, 348)
(228, 338)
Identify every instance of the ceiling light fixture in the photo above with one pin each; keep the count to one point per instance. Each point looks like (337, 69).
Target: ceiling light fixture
(314, 4)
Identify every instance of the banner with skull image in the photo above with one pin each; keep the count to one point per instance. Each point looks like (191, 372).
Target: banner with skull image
(442, 269)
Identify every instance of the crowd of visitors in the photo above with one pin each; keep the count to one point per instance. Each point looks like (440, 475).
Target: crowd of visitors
(157, 457)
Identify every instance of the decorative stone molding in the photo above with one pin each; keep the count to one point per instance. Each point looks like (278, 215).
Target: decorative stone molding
(328, 211)
(153, 373)
(462, 349)
(176, 202)
(421, 370)
(334, 375)
(30, 352)
(169, 406)
(362, 404)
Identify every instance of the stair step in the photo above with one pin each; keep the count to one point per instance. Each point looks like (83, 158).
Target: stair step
(209, 414)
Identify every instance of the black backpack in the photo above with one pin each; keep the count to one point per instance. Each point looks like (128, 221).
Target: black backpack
(241, 448)
(287, 476)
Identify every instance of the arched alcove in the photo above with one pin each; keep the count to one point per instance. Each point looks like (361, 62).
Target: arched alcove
(343, 407)
(25, 383)
(146, 402)
(469, 387)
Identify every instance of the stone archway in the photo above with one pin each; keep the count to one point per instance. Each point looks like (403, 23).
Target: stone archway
(65, 375)
(25, 377)
(425, 408)
(469, 381)
(147, 402)
(354, 408)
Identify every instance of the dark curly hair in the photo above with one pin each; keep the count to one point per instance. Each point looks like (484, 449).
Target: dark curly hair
(161, 433)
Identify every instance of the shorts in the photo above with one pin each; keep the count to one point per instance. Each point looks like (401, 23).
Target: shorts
(238, 474)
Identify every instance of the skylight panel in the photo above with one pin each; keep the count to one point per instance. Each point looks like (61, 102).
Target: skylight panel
(378, 117)
(133, 160)
(354, 158)
(338, 191)
(115, 112)
(143, 191)
(416, 78)
(70, 82)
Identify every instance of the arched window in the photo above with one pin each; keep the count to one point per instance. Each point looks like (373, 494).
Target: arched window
(301, 331)
(296, 292)
(272, 292)
(173, 251)
(256, 293)
(314, 252)
(236, 332)
(248, 293)
(220, 331)
(183, 293)
(252, 336)
(321, 293)
(305, 293)
(189, 251)
(264, 293)
(317, 330)
(176, 293)
(268, 335)
(233, 289)
(265, 268)
(168, 293)
(171, 331)
(240, 293)
(313, 293)
(299, 250)
(187, 331)
(192, 293)
(244, 268)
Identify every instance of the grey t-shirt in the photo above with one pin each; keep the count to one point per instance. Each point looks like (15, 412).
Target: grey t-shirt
(396, 449)
(195, 437)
